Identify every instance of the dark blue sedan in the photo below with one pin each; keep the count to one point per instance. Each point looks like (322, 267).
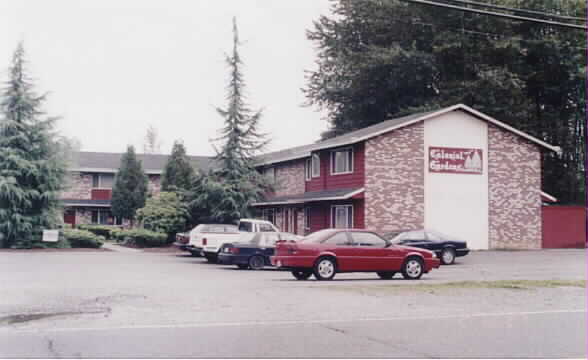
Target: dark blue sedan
(446, 248)
(254, 254)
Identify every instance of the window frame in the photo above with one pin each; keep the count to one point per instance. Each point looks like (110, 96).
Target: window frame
(349, 159)
(99, 177)
(307, 218)
(270, 170)
(349, 216)
(308, 169)
(318, 161)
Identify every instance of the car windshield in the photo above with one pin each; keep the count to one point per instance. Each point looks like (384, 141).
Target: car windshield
(317, 236)
(409, 235)
(437, 236)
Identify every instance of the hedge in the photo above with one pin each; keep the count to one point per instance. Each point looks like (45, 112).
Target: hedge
(101, 230)
(82, 238)
(142, 237)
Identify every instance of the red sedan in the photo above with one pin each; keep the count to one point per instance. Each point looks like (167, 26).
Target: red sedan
(330, 251)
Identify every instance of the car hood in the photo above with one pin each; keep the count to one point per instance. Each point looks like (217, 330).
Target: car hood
(415, 249)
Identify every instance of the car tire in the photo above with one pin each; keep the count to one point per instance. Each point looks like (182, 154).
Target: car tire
(256, 262)
(301, 275)
(243, 266)
(325, 268)
(447, 256)
(386, 275)
(413, 268)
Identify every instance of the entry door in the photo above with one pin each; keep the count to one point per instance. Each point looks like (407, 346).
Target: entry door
(69, 217)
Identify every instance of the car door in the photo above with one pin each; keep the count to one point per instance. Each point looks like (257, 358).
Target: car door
(372, 252)
(340, 245)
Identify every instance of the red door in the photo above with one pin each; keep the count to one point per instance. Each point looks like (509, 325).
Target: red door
(69, 217)
(372, 253)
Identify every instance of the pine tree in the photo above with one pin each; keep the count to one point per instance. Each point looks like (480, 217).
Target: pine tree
(236, 183)
(178, 173)
(32, 168)
(130, 188)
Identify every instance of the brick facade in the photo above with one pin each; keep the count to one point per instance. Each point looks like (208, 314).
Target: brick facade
(514, 176)
(394, 180)
(78, 186)
(289, 178)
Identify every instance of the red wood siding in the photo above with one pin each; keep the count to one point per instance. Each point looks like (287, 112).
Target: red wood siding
(69, 217)
(327, 181)
(564, 227)
(101, 194)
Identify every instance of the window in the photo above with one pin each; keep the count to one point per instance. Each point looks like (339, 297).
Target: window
(342, 161)
(316, 165)
(409, 236)
(306, 218)
(246, 226)
(269, 215)
(270, 174)
(104, 217)
(339, 238)
(266, 228)
(367, 239)
(342, 216)
(308, 170)
(103, 181)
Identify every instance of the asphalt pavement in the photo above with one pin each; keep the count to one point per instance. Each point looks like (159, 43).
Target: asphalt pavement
(138, 304)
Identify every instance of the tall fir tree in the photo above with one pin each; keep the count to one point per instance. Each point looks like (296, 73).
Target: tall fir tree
(32, 167)
(236, 183)
(130, 187)
(178, 174)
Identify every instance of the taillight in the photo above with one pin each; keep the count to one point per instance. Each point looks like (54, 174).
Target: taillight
(234, 250)
(204, 241)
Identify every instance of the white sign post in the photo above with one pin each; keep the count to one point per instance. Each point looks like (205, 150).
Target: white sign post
(50, 235)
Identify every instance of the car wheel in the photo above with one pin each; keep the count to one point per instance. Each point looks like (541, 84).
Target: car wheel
(325, 268)
(413, 268)
(256, 262)
(386, 275)
(242, 266)
(301, 275)
(447, 256)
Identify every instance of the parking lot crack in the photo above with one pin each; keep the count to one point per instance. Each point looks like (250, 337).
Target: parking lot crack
(51, 348)
(341, 331)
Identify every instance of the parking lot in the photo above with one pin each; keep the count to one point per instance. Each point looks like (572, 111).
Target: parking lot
(149, 304)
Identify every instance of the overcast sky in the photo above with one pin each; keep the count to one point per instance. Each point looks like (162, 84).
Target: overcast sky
(112, 68)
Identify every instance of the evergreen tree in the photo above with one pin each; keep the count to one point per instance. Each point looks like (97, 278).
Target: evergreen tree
(130, 187)
(32, 168)
(178, 173)
(229, 190)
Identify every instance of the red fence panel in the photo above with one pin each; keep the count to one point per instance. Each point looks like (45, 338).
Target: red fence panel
(564, 227)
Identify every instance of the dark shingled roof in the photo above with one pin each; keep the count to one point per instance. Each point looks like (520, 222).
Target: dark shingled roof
(152, 163)
(345, 139)
(312, 196)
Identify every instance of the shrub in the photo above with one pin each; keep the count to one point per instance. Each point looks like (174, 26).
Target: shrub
(117, 234)
(82, 238)
(101, 230)
(143, 237)
(165, 213)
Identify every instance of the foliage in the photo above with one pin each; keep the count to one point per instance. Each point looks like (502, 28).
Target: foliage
(178, 173)
(387, 58)
(102, 230)
(32, 166)
(228, 191)
(143, 237)
(130, 188)
(82, 238)
(165, 213)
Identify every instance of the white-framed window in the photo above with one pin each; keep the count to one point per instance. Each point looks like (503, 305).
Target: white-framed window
(104, 217)
(102, 181)
(342, 161)
(308, 169)
(316, 165)
(306, 218)
(342, 216)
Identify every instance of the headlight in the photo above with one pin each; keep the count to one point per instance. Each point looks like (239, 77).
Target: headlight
(434, 255)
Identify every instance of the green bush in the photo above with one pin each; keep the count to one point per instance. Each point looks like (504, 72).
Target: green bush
(82, 238)
(143, 237)
(61, 243)
(165, 213)
(101, 230)
(117, 234)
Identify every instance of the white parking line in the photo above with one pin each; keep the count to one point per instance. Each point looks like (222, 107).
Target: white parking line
(294, 322)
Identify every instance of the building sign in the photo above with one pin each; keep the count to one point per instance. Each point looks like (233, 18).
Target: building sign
(51, 235)
(455, 160)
